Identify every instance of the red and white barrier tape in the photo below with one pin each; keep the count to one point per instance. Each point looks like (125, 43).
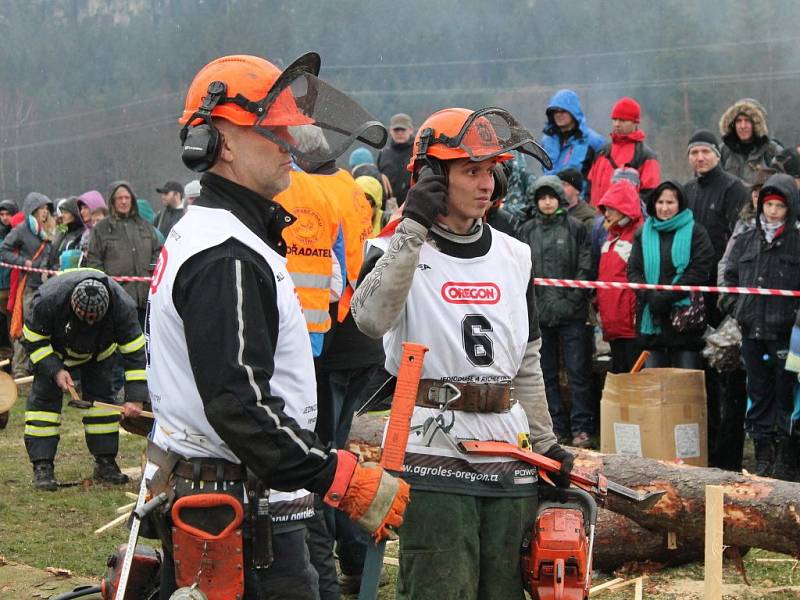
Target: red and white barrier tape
(545, 281)
(620, 285)
(122, 278)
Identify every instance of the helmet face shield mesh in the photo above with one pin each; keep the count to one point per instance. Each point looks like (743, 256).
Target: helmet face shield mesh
(322, 121)
(494, 132)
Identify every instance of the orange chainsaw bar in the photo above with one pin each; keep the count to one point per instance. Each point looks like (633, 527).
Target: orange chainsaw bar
(598, 485)
(405, 398)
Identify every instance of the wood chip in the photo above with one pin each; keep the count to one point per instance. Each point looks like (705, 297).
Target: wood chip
(3, 561)
(59, 572)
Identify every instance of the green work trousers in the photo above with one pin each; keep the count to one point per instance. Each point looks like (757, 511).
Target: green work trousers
(456, 547)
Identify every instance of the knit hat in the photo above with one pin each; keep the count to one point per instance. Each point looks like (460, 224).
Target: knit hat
(572, 177)
(9, 206)
(360, 156)
(627, 109)
(89, 300)
(704, 137)
(628, 174)
(774, 196)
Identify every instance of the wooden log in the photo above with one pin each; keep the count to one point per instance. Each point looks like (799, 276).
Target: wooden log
(619, 540)
(758, 512)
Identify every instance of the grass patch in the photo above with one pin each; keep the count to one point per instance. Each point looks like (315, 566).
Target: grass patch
(45, 529)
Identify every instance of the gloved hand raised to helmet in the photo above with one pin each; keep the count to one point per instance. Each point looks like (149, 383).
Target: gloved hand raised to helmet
(567, 460)
(367, 494)
(427, 199)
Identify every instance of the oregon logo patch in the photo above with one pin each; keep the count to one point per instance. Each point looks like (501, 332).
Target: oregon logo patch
(459, 292)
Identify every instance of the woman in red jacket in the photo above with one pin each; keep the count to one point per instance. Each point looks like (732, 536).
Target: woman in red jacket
(616, 309)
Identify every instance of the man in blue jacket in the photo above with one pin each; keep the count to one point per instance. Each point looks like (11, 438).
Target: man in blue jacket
(568, 139)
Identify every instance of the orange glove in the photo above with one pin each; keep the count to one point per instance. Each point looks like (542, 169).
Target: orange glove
(369, 495)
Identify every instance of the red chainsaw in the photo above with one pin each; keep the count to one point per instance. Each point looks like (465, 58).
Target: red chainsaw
(556, 554)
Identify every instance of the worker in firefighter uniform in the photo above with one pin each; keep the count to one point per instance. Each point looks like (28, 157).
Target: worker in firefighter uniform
(449, 281)
(80, 319)
(229, 358)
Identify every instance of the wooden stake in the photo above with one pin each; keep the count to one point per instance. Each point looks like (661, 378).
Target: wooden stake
(603, 586)
(713, 556)
(111, 524)
(672, 540)
(639, 589)
(126, 509)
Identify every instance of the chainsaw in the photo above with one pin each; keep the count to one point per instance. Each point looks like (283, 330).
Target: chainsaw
(556, 555)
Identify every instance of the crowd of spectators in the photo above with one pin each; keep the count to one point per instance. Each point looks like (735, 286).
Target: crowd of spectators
(602, 212)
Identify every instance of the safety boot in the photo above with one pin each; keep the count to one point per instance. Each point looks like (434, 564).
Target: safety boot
(106, 470)
(765, 457)
(44, 476)
(787, 462)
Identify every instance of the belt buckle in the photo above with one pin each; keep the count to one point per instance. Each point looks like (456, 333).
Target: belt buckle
(438, 394)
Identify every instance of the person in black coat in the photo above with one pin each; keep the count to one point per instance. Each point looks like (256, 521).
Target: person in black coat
(674, 249)
(768, 257)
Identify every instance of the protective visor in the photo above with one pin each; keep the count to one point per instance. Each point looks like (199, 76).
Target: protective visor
(494, 132)
(322, 122)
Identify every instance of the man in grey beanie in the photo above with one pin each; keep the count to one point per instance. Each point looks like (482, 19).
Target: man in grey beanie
(716, 198)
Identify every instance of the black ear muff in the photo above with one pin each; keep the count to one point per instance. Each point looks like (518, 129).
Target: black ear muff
(423, 160)
(201, 142)
(500, 183)
(201, 146)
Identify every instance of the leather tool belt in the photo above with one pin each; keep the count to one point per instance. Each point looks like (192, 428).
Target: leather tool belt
(196, 469)
(474, 397)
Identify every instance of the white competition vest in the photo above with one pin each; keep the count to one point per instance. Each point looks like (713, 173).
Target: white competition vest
(472, 314)
(181, 422)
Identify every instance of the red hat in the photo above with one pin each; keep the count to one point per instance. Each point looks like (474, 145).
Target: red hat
(626, 109)
(777, 197)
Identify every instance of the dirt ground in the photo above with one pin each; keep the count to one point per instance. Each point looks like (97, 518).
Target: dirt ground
(21, 582)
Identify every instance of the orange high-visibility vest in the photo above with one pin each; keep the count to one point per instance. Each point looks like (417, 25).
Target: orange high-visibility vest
(309, 247)
(355, 213)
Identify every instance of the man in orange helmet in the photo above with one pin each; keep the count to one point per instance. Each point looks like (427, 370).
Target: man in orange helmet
(447, 280)
(229, 358)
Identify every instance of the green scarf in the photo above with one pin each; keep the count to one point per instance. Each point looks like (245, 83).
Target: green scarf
(683, 225)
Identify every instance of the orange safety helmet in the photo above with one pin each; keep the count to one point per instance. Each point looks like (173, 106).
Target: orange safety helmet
(248, 81)
(251, 92)
(478, 135)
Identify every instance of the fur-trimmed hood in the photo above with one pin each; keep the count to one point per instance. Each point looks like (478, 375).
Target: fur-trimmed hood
(753, 109)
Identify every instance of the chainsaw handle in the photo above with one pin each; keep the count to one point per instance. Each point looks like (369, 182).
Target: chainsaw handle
(208, 501)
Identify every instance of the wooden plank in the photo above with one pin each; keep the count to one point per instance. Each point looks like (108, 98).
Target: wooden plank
(713, 554)
(604, 586)
(638, 592)
(111, 524)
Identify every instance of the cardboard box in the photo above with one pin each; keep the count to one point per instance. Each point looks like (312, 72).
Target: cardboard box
(656, 413)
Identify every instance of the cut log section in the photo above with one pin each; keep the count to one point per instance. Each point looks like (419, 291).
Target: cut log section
(758, 512)
(619, 540)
